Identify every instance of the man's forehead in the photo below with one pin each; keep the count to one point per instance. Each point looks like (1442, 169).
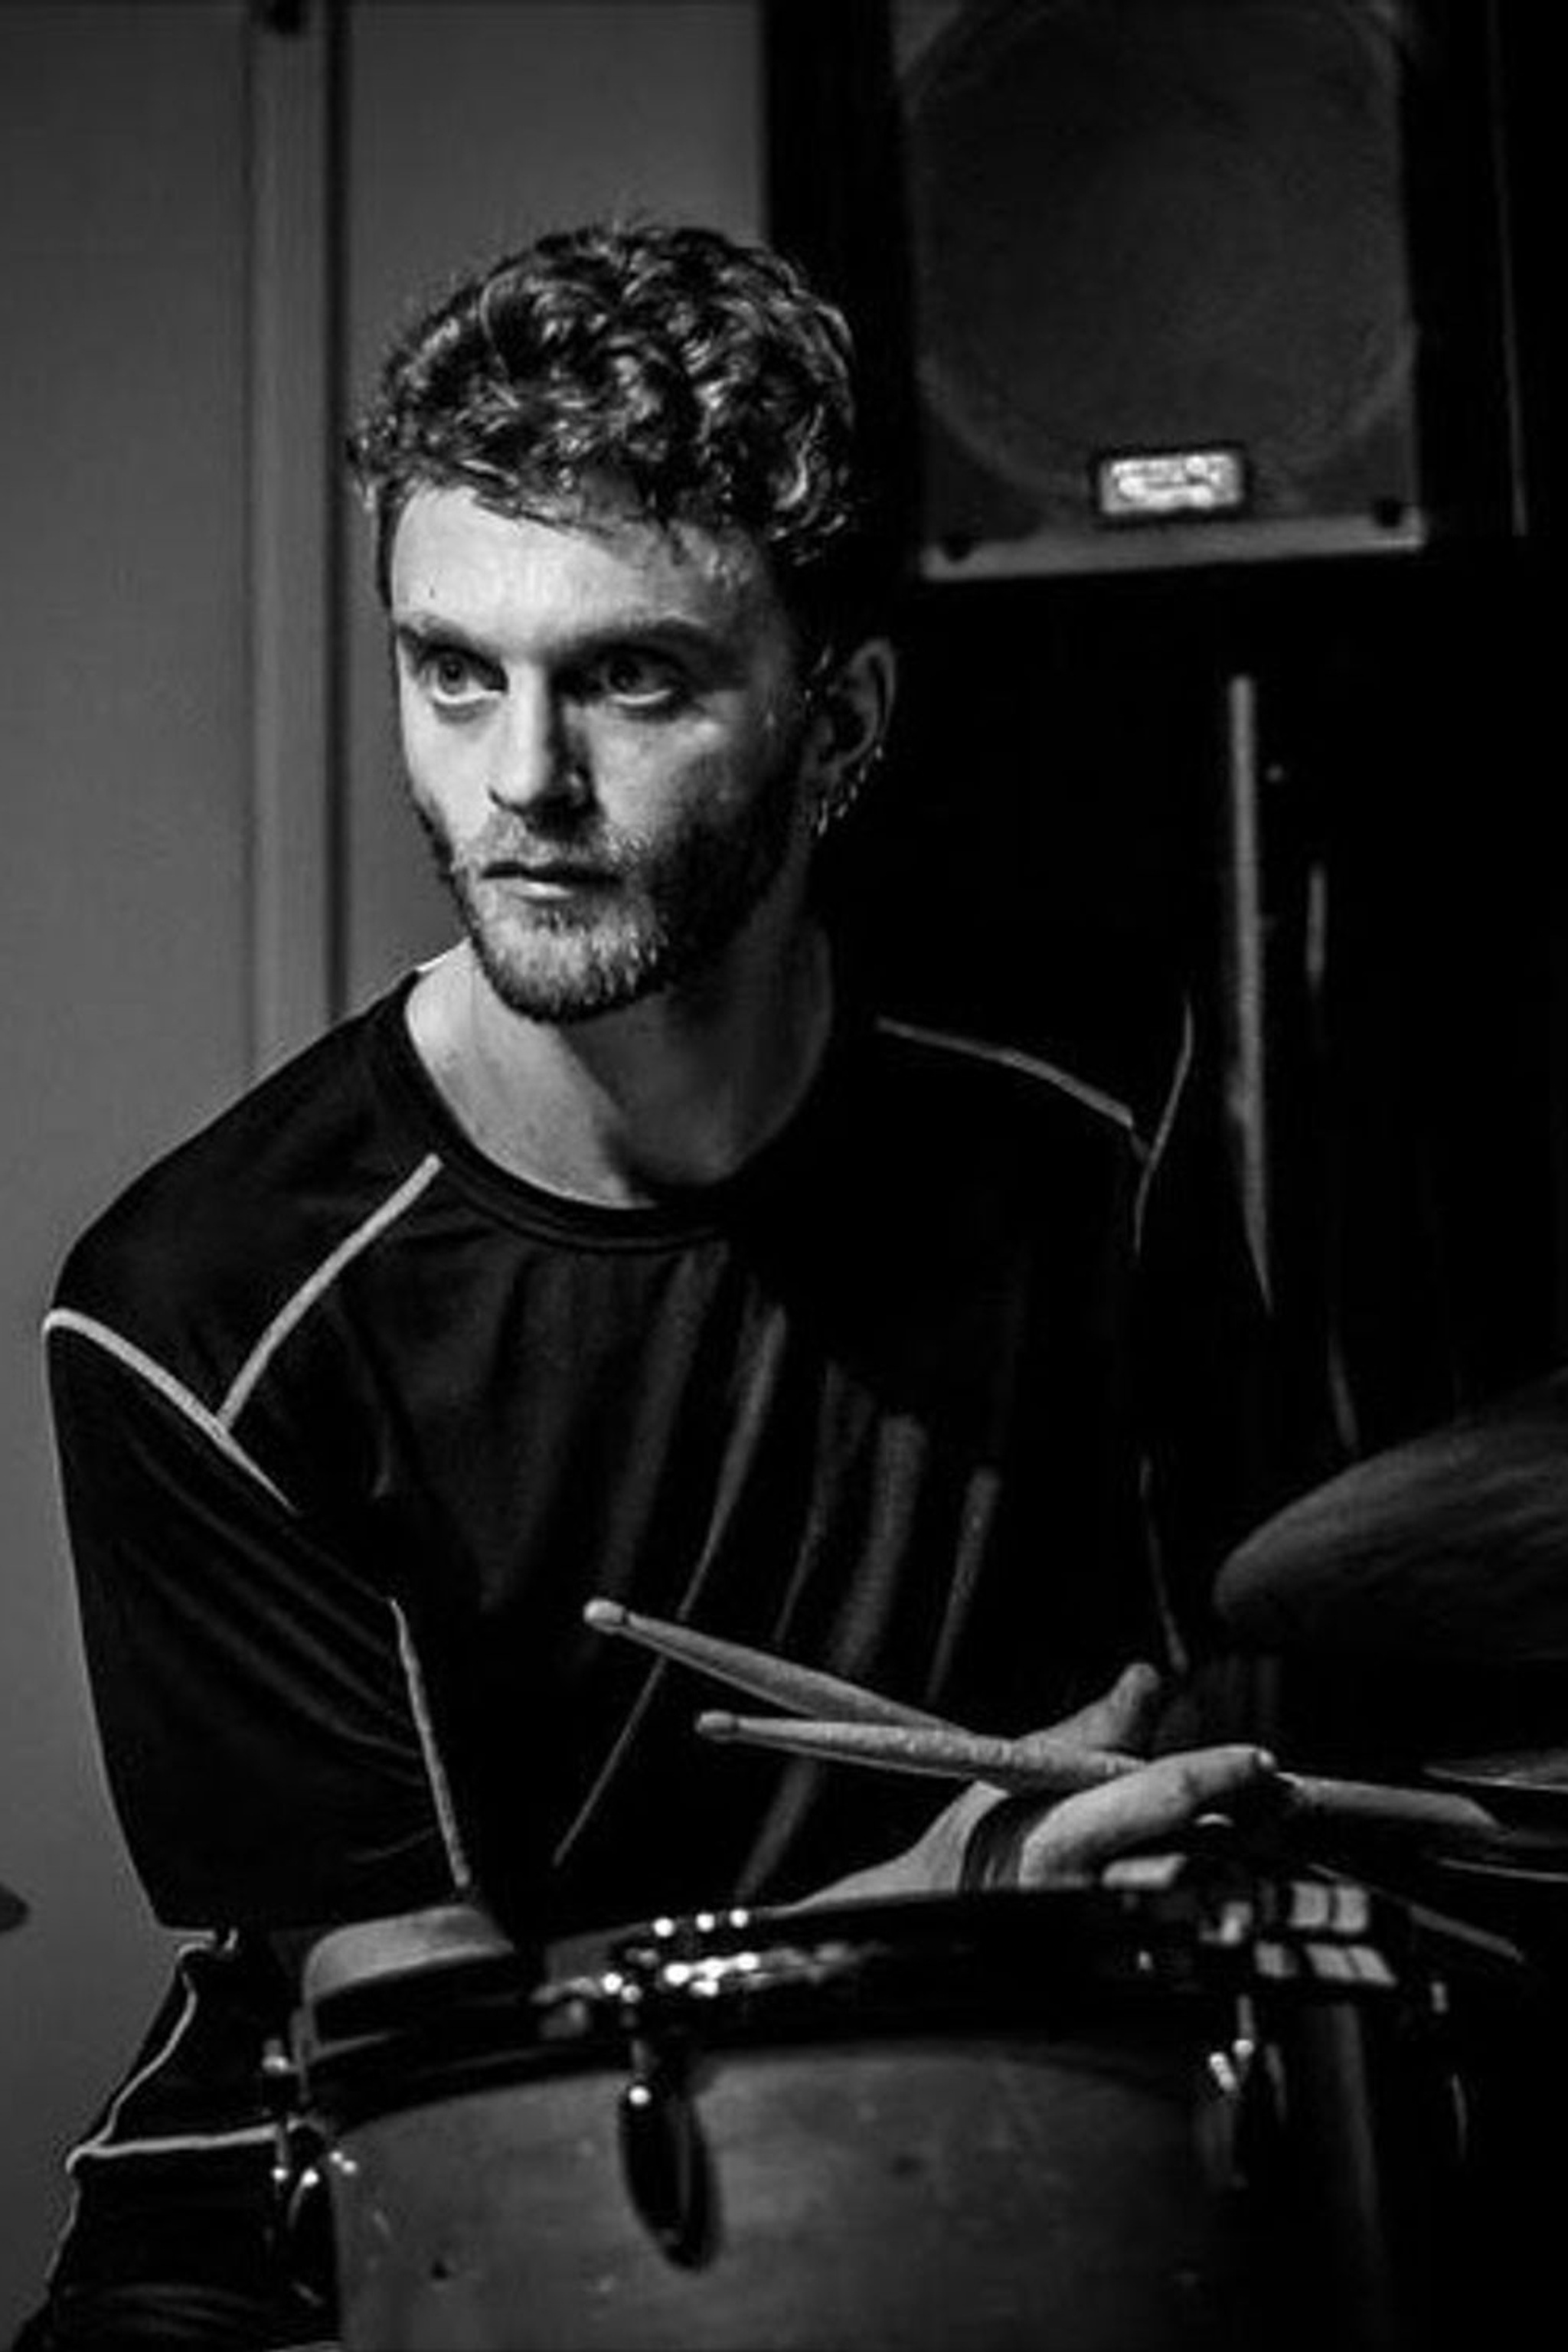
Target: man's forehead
(451, 546)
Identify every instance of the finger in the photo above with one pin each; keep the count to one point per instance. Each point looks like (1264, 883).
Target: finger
(1123, 1716)
(1084, 1832)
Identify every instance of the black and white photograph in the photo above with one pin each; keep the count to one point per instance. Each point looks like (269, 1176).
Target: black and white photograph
(783, 1104)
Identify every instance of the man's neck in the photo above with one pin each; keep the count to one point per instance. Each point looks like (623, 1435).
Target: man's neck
(681, 1089)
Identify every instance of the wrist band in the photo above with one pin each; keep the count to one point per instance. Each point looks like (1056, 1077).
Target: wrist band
(991, 1851)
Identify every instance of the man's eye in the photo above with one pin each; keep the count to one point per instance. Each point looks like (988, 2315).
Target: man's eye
(638, 681)
(450, 675)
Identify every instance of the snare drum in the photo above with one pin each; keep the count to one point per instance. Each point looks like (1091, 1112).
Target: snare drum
(1118, 2118)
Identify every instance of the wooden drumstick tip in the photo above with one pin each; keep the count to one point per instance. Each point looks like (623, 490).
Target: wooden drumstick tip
(715, 1723)
(605, 1616)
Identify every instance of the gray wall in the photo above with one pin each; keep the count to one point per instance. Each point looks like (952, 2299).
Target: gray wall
(138, 929)
(122, 885)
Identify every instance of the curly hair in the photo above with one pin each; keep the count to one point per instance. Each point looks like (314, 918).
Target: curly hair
(694, 379)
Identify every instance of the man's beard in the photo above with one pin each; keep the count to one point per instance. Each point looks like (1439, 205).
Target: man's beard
(660, 917)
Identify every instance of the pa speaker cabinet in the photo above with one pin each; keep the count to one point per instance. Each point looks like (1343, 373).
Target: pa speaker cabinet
(1150, 282)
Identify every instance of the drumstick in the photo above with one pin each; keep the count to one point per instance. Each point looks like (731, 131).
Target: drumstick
(1037, 1766)
(1040, 1766)
(803, 1690)
(865, 1728)
(1313, 1797)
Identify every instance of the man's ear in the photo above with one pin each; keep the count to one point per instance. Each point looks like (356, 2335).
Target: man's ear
(852, 708)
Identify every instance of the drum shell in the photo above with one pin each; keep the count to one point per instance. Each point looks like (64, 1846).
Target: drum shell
(1032, 2140)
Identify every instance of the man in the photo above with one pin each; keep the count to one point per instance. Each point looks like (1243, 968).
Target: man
(619, 1251)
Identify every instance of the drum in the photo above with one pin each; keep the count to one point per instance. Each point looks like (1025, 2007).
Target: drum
(1168, 2111)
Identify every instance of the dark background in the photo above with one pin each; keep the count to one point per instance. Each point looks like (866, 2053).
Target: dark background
(1046, 857)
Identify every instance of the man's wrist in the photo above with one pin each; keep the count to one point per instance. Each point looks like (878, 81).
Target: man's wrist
(934, 1864)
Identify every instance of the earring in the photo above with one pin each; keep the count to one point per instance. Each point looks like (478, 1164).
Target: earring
(841, 792)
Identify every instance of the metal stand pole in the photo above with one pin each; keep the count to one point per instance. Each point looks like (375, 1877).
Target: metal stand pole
(1243, 998)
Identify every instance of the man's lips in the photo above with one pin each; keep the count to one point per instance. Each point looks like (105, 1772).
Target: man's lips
(550, 876)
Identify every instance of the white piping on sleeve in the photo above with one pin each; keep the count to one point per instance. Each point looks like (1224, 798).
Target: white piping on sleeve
(435, 1770)
(157, 1376)
(1011, 1058)
(294, 1309)
(102, 2144)
(149, 2065)
(174, 2144)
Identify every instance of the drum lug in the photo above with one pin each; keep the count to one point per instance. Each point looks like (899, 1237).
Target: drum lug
(1239, 2127)
(302, 2202)
(1229, 2068)
(664, 2158)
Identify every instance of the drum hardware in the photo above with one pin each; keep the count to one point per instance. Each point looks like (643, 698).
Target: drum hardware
(301, 2200)
(664, 2154)
(1108, 2115)
(665, 2161)
(667, 2165)
(1201, 2102)
(1227, 2126)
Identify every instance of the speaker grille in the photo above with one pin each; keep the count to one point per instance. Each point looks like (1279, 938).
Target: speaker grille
(1149, 224)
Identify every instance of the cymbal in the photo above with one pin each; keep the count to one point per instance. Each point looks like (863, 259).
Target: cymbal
(1450, 1551)
(13, 1910)
(1527, 1784)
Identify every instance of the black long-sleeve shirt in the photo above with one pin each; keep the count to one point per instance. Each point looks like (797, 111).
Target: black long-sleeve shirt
(352, 1424)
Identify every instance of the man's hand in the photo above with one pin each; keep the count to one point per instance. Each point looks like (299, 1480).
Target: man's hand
(1017, 1843)
(987, 1838)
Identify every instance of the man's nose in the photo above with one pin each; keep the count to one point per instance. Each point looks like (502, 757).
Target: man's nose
(537, 762)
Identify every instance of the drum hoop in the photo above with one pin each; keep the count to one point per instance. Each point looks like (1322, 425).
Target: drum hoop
(1061, 1963)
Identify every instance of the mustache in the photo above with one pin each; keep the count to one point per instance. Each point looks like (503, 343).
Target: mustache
(504, 848)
